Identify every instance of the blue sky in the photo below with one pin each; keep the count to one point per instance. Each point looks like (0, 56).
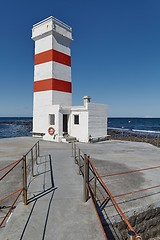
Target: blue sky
(115, 53)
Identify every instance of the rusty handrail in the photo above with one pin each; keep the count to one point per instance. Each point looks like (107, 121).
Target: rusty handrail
(131, 171)
(105, 236)
(8, 165)
(111, 197)
(132, 233)
(25, 184)
(10, 209)
(11, 169)
(115, 203)
(24, 188)
(11, 194)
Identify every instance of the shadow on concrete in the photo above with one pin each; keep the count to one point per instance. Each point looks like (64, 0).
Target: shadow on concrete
(101, 202)
(36, 197)
(40, 195)
(108, 228)
(46, 220)
(25, 227)
(42, 174)
(32, 210)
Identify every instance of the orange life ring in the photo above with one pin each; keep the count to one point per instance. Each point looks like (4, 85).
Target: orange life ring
(51, 131)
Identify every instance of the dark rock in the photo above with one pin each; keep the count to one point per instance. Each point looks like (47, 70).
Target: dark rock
(132, 221)
(140, 218)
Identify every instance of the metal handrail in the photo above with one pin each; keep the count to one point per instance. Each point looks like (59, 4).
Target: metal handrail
(10, 209)
(25, 177)
(89, 167)
(11, 169)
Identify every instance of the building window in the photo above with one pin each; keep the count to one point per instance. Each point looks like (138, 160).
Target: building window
(76, 119)
(52, 119)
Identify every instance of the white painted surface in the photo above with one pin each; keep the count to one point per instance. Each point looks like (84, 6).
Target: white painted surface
(61, 44)
(79, 131)
(45, 28)
(43, 44)
(53, 42)
(61, 71)
(52, 70)
(42, 29)
(41, 102)
(92, 121)
(61, 98)
(43, 71)
(97, 120)
(51, 34)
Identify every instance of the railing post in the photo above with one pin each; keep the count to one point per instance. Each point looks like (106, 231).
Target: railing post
(72, 149)
(79, 160)
(24, 181)
(36, 154)
(32, 162)
(158, 141)
(52, 179)
(132, 235)
(95, 185)
(87, 169)
(74, 153)
(38, 149)
(85, 178)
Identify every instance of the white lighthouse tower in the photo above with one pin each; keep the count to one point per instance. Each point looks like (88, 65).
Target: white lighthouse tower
(52, 74)
(54, 117)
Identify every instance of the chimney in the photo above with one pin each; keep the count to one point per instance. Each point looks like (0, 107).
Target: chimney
(86, 100)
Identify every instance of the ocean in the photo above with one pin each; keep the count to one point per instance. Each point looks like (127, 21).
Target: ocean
(136, 125)
(15, 127)
(22, 126)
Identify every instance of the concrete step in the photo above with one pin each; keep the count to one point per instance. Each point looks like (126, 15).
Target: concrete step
(70, 138)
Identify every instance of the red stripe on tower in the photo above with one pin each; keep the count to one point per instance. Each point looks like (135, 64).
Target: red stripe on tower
(52, 55)
(52, 84)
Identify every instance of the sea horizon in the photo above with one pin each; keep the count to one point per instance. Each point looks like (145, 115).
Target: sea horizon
(22, 126)
(108, 117)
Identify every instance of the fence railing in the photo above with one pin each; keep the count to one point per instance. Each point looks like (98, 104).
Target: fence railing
(94, 186)
(7, 203)
(29, 160)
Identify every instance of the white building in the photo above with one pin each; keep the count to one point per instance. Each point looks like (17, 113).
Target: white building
(53, 113)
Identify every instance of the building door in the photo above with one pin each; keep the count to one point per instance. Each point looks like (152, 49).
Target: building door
(65, 123)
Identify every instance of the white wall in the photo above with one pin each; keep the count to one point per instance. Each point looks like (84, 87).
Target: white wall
(92, 121)
(43, 44)
(41, 102)
(46, 123)
(79, 131)
(97, 120)
(48, 25)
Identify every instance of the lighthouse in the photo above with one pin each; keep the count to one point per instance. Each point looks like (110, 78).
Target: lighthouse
(52, 72)
(54, 117)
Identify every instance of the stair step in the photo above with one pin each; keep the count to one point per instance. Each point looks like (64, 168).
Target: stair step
(69, 138)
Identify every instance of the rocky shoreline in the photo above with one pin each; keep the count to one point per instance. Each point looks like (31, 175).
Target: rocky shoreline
(116, 134)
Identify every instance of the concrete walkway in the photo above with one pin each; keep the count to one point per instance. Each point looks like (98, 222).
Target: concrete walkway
(54, 213)
(114, 157)
(56, 210)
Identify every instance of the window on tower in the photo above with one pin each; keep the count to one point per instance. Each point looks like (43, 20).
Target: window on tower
(52, 119)
(76, 119)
